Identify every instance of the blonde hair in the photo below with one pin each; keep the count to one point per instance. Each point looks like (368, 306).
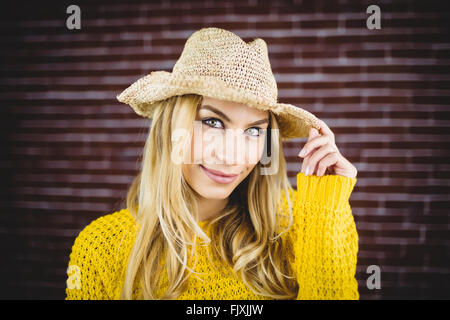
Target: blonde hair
(245, 235)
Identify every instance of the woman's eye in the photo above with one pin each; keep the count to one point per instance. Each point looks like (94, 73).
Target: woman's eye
(213, 121)
(256, 132)
(216, 123)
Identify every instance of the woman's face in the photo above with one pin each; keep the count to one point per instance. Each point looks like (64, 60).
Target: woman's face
(228, 139)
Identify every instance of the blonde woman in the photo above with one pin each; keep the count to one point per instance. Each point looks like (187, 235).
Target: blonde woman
(211, 214)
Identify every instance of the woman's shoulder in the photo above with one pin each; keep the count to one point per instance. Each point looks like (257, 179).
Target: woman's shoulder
(110, 225)
(98, 256)
(107, 233)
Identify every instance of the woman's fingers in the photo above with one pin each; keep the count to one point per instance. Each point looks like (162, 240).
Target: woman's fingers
(313, 133)
(317, 142)
(325, 130)
(321, 155)
(313, 160)
(329, 160)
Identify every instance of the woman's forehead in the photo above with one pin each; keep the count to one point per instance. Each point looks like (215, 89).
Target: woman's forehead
(232, 108)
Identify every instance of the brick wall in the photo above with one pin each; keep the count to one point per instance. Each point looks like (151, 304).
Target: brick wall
(70, 150)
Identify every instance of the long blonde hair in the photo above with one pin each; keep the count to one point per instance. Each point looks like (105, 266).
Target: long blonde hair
(246, 235)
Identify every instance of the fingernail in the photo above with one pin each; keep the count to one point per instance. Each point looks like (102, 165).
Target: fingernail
(306, 171)
(302, 153)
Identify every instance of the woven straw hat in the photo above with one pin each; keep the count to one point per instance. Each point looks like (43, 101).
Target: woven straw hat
(219, 64)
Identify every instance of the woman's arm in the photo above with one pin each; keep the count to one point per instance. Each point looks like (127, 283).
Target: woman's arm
(324, 238)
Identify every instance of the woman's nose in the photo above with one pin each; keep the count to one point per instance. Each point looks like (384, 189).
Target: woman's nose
(231, 150)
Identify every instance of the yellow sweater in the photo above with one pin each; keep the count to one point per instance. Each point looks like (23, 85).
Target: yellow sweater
(323, 238)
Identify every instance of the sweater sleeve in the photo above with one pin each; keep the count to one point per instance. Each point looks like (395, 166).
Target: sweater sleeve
(324, 238)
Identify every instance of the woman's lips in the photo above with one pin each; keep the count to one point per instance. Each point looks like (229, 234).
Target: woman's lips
(218, 178)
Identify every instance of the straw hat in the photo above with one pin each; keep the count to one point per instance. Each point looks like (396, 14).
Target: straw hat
(219, 64)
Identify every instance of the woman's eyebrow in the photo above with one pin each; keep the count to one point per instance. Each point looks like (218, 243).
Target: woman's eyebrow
(220, 113)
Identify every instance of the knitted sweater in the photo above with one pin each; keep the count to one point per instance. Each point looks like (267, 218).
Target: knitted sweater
(323, 238)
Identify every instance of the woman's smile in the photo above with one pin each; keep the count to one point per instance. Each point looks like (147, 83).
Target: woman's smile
(218, 176)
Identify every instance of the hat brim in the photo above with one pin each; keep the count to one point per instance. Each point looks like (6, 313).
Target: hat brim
(143, 94)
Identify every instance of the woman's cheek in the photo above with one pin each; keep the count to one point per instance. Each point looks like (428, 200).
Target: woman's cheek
(254, 151)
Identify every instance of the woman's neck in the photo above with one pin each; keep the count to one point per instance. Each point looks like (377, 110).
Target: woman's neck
(210, 208)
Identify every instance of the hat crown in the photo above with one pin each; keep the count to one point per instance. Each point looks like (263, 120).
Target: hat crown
(219, 53)
(217, 63)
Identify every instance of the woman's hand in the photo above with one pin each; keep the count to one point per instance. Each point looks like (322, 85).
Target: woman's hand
(321, 154)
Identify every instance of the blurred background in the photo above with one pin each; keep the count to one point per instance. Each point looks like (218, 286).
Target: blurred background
(70, 150)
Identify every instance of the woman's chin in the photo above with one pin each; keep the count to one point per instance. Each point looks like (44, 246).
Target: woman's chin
(211, 190)
(214, 195)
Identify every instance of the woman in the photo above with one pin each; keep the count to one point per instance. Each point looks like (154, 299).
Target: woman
(211, 214)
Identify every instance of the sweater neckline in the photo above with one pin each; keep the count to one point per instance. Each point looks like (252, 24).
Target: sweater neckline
(202, 223)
